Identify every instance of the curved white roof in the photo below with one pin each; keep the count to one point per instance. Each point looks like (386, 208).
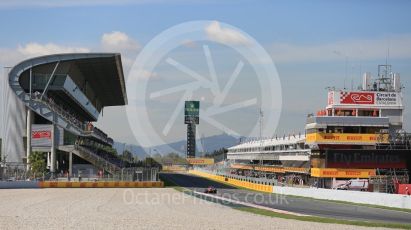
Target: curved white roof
(270, 142)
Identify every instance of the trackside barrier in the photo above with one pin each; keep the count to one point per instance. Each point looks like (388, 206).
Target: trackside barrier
(102, 184)
(374, 198)
(18, 184)
(86, 184)
(235, 182)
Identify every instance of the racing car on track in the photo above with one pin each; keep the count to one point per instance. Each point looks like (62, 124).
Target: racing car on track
(210, 189)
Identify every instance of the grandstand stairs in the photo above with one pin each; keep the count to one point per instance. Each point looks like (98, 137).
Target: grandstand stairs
(91, 157)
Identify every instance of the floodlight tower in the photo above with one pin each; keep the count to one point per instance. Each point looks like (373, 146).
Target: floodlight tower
(191, 119)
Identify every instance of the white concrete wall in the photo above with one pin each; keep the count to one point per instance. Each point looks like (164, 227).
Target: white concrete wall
(383, 199)
(13, 121)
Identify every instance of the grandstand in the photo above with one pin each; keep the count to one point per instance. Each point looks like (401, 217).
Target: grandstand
(62, 95)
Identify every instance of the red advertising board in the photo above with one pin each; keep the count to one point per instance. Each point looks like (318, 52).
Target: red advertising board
(404, 189)
(363, 98)
(41, 134)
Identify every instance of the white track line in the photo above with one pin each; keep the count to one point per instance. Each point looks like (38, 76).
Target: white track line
(251, 205)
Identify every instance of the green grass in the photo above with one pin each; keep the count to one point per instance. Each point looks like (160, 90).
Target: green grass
(171, 184)
(168, 183)
(322, 219)
(359, 204)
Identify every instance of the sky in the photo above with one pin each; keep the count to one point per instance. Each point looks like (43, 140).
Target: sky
(313, 45)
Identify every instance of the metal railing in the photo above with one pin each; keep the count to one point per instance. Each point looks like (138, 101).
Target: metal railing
(96, 159)
(84, 127)
(20, 173)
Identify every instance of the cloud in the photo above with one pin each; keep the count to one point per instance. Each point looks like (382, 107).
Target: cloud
(147, 74)
(118, 41)
(189, 43)
(215, 32)
(36, 49)
(11, 56)
(361, 49)
(115, 41)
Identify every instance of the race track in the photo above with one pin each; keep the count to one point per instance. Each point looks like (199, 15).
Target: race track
(305, 206)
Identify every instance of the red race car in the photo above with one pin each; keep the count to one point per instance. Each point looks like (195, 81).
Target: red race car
(210, 189)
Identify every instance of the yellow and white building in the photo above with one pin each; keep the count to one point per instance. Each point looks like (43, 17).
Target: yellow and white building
(358, 133)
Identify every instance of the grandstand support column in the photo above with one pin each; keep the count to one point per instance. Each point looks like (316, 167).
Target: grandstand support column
(70, 164)
(28, 135)
(53, 150)
(48, 160)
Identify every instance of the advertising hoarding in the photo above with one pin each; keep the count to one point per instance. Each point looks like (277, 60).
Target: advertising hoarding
(364, 98)
(192, 112)
(377, 158)
(200, 161)
(346, 138)
(41, 136)
(342, 173)
(357, 98)
(192, 108)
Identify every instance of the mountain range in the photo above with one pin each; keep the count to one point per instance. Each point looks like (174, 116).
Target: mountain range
(204, 145)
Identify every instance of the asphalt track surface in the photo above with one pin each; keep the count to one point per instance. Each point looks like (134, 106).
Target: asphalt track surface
(305, 206)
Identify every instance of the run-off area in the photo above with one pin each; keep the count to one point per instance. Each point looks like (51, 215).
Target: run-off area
(125, 208)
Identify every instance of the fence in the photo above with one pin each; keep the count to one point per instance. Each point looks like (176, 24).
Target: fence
(71, 184)
(289, 180)
(18, 172)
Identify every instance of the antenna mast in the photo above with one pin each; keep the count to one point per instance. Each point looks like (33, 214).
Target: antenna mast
(261, 115)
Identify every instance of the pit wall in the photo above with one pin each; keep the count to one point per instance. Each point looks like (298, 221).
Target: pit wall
(373, 198)
(234, 182)
(88, 184)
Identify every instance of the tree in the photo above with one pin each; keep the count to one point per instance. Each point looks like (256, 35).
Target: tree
(127, 156)
(135, 159)
(38, 163)
(110, 149)
(172, 158)
(218, 155)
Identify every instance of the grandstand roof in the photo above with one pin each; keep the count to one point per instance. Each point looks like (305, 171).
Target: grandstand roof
(103, 73)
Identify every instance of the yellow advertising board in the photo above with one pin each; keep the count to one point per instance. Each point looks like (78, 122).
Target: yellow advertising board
(342, 173)
(239, 166)
(270, 169)
(245, 184)
(346, 138)
(200, 161)
(173, 168)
